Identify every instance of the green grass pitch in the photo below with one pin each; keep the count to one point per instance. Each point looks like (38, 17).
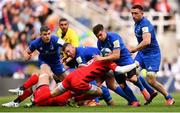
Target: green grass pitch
(158, 105)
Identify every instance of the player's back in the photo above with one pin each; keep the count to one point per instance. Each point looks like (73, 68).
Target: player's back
(93, 70)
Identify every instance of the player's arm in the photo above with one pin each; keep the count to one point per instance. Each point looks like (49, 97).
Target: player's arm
(114, 55)
(145, 42)
(123, 69)
(81, 61)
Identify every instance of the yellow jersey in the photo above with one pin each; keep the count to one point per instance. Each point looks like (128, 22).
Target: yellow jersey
(70, 37)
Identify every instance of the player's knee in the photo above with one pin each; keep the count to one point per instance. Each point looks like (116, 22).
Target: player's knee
(151, 77)
(133, 78)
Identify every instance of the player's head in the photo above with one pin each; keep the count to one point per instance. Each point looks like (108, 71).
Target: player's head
(69, 50)
(45, 33)
(137, 12)
(105, 52)
(63, 24)
(100, 32)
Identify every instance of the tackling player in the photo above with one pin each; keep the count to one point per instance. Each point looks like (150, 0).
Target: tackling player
(78, 80)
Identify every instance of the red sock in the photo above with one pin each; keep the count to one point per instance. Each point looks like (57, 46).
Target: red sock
(25, 95)
(31, 81)
(84, 97)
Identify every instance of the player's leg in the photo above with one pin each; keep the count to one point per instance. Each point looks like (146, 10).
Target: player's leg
(97, 98)
(60, 89)
(135, 80)
(151, 91)
(112, 84)
(23, 91)
(32, 80)
(151, 78)
(59, 70)
(152, 64)
(19, 99)
(121, 80)
(62, 99)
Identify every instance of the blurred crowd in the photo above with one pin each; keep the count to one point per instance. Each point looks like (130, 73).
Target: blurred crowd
(124, 5)
(20, 21)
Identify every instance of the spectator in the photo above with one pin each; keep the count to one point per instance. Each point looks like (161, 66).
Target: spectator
(163, 6)
(7, 53)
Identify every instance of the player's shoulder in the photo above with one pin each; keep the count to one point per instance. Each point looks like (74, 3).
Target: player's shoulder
(113, 36)
(54, 38)
(36, 41)
(145, 21)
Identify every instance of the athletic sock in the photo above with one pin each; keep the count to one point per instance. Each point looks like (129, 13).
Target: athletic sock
(120, 92)
(95, 83)
(106, 95)
(146, 85)
(25, 95)
(139, 84)
(30, 81)
(168, 97)
(129, 93)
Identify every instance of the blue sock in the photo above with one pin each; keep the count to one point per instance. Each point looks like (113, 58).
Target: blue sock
(94, 83)
(106, 95)
(146, 85)
(139, 84)
(120, 92)
(129, 93)
(168, 97)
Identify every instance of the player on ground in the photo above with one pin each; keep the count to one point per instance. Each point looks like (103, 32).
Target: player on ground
(42, 86)
(78, 80)
(148, 49)
(81, 55)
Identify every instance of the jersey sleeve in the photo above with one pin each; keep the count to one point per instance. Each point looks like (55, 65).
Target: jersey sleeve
(146, 27)
(33, 46)
(80, 60)
(115, 41)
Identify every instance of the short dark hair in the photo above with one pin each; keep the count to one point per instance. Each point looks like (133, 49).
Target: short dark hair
(44, 28)
(97, 28)
(137, 6)
(62, 19)
(64, 46)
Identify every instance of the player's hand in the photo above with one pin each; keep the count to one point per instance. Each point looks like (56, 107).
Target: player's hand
(137, 63)
(131, 49)
(98, 57)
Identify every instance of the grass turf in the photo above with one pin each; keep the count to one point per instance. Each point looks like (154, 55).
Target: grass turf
(158, 105)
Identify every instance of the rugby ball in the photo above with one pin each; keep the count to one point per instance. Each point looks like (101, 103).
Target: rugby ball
(105, 51)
